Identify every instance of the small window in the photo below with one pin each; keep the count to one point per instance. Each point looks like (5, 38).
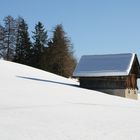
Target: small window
(129, 91)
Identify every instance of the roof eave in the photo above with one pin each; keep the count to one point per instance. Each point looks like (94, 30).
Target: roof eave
(107, 74)
(131, 62)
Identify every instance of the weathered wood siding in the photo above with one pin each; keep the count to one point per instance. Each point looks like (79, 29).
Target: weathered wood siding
(131, 81)
(116, 82)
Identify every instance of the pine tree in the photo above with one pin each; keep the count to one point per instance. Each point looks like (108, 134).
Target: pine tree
(23, 43)
(40, 43)
(61, 60)
(9, 37)
(2, 48)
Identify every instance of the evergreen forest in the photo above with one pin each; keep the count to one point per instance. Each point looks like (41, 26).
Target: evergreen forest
(54, 54)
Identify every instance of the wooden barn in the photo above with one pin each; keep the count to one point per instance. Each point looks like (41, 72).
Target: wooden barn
(114, 74)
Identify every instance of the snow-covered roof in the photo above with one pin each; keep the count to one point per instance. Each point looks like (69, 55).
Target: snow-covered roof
(104, 65)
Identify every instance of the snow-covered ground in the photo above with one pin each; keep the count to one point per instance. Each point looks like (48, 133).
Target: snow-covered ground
(37, 105)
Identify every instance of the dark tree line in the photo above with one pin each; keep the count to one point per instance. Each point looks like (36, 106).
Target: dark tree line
(53, 54)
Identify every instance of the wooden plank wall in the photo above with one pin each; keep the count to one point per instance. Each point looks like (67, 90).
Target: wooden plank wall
(131, 81)
(116, 82)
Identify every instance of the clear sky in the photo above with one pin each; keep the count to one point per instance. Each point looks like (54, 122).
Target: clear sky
(94, 26)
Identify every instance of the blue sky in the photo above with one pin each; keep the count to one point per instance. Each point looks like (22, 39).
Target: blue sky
(94, 26)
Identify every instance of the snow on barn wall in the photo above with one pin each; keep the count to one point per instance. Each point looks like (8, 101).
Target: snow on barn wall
(114, 74)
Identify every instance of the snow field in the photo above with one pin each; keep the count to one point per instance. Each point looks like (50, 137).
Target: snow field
(37, 105)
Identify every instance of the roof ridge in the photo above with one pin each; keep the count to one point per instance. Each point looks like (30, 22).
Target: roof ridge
(108, 54)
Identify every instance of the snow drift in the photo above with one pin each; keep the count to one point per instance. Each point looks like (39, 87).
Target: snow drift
(38, 105)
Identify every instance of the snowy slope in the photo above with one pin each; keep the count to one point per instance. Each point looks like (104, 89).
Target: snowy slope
(37, 105)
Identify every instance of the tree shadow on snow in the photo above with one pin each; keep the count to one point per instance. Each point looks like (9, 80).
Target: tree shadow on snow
(50, 81)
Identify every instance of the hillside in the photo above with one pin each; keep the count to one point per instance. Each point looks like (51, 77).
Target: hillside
(38, 105)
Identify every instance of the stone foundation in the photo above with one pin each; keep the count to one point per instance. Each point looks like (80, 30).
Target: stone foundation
(128, 93)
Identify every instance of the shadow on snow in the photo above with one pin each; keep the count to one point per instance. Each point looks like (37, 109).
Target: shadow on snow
(50, 81)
